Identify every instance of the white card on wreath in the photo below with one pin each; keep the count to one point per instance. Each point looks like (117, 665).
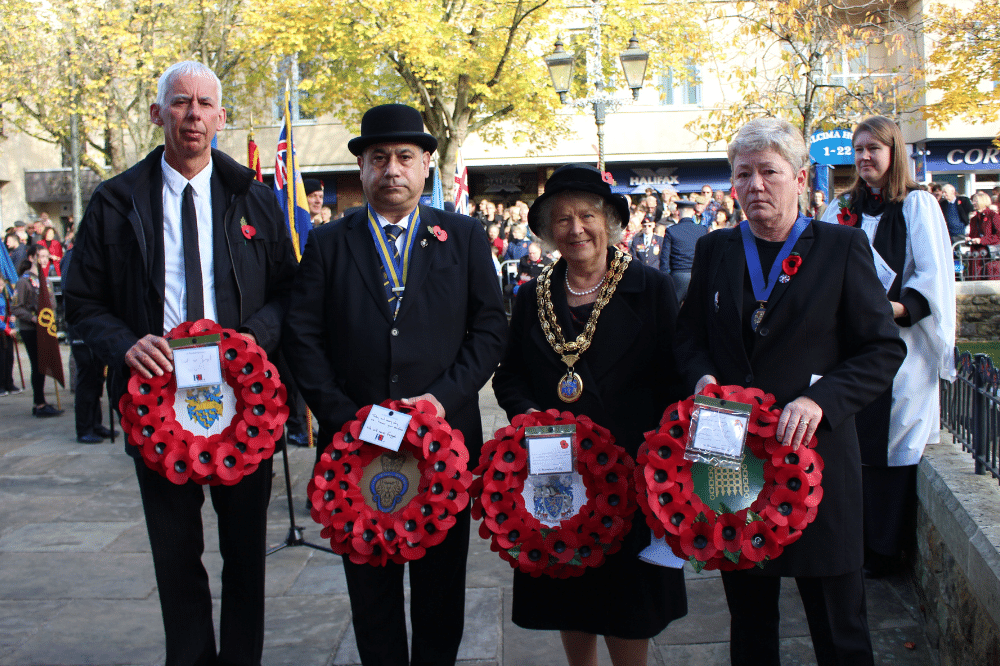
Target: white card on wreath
(550, 455)
(197, 366)
(385, 427)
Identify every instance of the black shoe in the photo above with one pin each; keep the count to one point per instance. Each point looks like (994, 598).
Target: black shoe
(298, 440)
(102, 431)
(90, 439)
(46, 410)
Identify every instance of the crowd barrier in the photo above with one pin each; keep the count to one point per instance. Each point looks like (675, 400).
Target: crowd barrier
(970, 410)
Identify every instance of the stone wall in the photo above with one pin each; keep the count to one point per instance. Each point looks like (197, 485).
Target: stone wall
(957, 567)
(977, 306)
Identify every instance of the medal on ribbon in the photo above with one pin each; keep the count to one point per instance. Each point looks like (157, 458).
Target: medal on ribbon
(762, 290)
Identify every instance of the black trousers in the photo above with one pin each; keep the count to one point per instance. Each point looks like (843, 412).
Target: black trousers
(30, 339)
(437, 604)
(173, 520)
(89, 386)
(6, 362)
(835, 609)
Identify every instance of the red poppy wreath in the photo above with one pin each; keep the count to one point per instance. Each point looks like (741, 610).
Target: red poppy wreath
(378, 505)
(237, 421)
(725, 539)
(578, 542)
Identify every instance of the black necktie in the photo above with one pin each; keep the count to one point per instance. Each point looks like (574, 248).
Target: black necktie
(392, 232)
(192, 257)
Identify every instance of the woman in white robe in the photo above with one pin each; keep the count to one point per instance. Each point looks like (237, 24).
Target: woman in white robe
(913, 256)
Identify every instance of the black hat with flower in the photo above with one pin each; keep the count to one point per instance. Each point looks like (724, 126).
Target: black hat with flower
(578, 178)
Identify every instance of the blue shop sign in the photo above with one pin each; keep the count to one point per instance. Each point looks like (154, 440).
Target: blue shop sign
(974, 155)
(832, 147)
(683, 177)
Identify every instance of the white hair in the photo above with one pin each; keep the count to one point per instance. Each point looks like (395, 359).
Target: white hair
(185, 68)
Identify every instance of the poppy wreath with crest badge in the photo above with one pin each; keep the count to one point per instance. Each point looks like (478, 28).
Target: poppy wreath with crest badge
(212, 435)
(377, 505)
(709, 529)
(581, 539)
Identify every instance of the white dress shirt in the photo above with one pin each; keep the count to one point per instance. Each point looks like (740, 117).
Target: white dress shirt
(175, 285)
(404, 224)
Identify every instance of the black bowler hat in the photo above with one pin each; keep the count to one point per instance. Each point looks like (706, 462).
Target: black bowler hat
(312, 185)
(392, 123)
(577, 178)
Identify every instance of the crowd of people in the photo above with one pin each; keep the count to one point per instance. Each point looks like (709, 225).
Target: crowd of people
(660, 294)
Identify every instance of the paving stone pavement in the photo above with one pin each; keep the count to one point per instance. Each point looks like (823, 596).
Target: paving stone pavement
(77, 585)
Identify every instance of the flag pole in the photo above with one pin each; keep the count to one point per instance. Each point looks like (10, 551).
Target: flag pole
(290, 171)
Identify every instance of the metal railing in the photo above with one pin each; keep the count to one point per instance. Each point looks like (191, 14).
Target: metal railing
(975, 261)
(970, 410)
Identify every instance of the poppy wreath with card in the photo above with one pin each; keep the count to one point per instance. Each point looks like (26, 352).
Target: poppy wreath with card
(578, 542)
(727, 540)
(377, 505)
(224, 431)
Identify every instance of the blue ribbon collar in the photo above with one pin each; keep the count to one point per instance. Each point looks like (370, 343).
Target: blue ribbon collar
(396, 268)
(761, 290)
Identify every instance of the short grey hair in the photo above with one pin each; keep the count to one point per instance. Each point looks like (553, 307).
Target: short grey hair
(185, 68)
(771, 134)
(611, 218)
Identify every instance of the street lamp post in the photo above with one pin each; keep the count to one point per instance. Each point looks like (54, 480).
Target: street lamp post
(560, 65)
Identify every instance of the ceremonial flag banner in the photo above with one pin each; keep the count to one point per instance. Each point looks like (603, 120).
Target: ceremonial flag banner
(49, 359)
(7, 269)
(289, 187)
(253, 157)
(461, 185)
(437, 194)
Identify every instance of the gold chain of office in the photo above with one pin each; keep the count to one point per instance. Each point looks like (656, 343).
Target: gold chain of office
(571, 385)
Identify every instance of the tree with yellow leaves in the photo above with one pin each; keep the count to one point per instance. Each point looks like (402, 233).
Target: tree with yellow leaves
(469, 66)
(966, 63)
(100, 59)
(816, 63)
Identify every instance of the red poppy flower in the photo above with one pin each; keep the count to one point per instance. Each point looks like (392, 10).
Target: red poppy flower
(679, 516)
(532, 557)
(846, 217)
(785, 508)
(791, 264)
(728, 531)
(793, 479)
(607, 177)
(248, 231)
(561, 546)
(438, 233)
(759, 542)
(699, 542)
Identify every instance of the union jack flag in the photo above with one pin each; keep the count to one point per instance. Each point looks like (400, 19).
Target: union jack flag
(461, 185)
(290, 190)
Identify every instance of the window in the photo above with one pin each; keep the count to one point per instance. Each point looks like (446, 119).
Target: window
(848, 66)
(680, 88)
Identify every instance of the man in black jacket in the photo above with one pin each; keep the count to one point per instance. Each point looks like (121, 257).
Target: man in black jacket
(366, 324)
(161, 244)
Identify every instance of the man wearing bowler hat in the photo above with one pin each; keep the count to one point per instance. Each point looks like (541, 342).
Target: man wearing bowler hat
(399, 301)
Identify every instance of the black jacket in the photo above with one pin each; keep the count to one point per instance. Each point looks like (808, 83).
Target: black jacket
(830, 320)
(347, 350)
(114, 293)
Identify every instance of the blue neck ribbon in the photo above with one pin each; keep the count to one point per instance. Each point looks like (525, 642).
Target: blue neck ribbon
(396, 268)
(761, 290)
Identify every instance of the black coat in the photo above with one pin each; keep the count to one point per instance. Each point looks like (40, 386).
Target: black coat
(831, 319)
(114, 292)
(647, 253)
(627, 379)
(627, 383)
(347, 351)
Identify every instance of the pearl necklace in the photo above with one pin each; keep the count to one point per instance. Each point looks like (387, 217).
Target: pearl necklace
(583, 293)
